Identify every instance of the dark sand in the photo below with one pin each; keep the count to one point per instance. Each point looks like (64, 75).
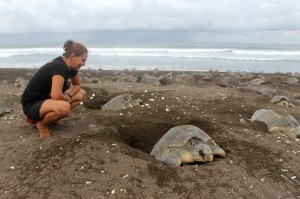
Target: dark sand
(105, 154)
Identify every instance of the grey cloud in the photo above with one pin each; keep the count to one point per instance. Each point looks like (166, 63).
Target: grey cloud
(215, 16)
(187, 15)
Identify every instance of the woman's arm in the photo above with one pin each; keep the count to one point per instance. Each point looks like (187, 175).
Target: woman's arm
(56, 88)
(76, 85)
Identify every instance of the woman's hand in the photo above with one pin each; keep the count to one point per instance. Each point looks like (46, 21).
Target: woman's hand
(67, 97)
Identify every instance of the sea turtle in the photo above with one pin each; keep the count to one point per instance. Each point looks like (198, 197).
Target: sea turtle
(266, 91)
(4, 109)
(276, 123)
(258, 81)
(281, 100)
(185, 144)
(229, 81)
(166, 79)
(120, 102)
(292, 80)
(21, 82)
(147, 79)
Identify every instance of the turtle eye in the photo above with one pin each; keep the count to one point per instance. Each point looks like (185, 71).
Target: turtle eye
(201, 153)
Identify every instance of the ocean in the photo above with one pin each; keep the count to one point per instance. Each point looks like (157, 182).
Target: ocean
(177, 56)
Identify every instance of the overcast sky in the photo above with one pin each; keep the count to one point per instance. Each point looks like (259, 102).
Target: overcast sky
(275, 21)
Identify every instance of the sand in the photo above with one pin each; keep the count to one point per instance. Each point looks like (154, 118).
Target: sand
(105, 154)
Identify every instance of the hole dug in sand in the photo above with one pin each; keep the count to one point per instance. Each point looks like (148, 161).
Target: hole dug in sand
(143, 137)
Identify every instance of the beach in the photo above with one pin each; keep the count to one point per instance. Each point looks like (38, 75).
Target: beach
(105, 154)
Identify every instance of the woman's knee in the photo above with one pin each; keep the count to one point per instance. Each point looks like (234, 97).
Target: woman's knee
(80, 95)
(63, 109)
(83, 94)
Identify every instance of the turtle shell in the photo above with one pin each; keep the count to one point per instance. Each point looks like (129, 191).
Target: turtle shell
(282, 100)
(279, 98)
(277, 123)
(267, 91)
(4, 109)
(179, 136)
(118, 103)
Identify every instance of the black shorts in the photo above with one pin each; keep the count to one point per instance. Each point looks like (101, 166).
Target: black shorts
(33, 111)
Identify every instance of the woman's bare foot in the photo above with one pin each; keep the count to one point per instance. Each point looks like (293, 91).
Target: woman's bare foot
(43, 130)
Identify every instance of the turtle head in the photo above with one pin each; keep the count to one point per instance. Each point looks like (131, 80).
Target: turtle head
(198, 151)
(205, 152)
(295, 132)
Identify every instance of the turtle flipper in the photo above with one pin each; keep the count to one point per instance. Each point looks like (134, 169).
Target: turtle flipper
(172, 162)
(284, 131)
(173, 158)
(218, 151)
(297, 132)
